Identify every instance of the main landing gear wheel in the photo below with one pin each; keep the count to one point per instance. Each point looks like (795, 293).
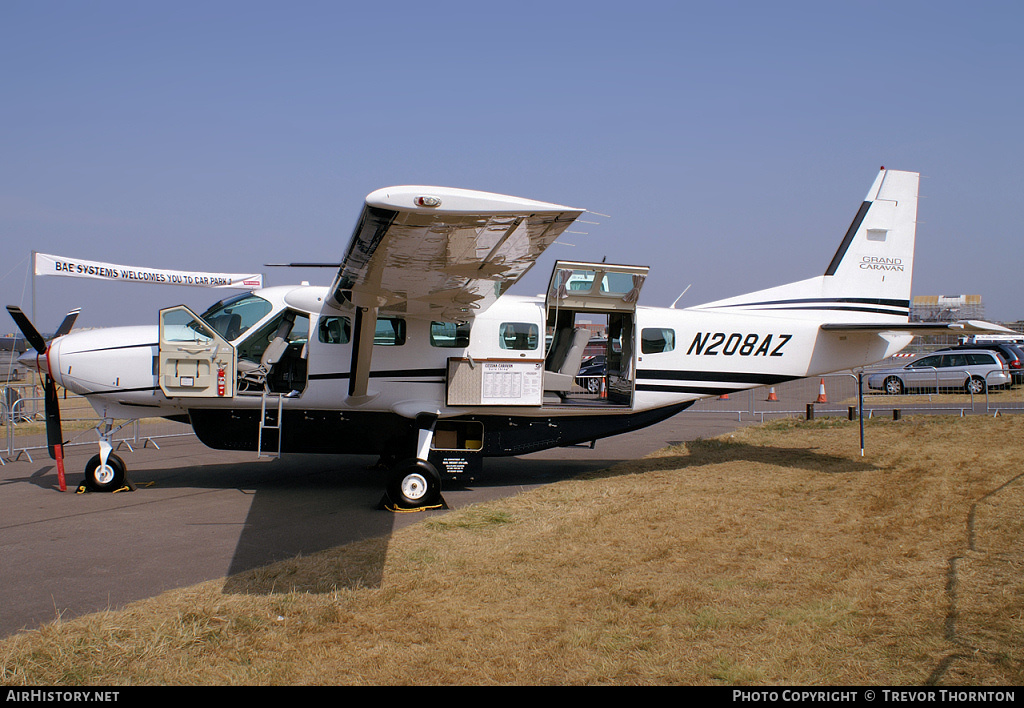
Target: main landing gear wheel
(107, 477)
(414, 484)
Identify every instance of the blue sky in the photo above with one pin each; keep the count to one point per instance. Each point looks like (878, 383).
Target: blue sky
(729, 142)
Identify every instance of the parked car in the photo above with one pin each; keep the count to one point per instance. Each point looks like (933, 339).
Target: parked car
(592, 370)
(1011, 353)
(969, 369)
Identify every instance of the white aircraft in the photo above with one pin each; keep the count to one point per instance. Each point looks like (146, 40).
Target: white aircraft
(417, 354)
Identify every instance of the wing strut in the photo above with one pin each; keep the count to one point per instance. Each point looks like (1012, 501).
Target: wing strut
(362, 354)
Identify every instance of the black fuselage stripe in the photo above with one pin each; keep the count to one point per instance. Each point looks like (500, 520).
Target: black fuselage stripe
(875, 310)
(110, 349)
(727, 377)
(407, 373)
(141, 389)
(836, 300)
(697, 390)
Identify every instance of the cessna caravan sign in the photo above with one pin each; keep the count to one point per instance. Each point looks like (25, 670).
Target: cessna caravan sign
(46, 264)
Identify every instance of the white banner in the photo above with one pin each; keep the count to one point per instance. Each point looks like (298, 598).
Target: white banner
(78, 268)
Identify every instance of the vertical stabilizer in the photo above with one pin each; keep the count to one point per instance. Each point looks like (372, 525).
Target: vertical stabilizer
(877, 254)
(869, 275)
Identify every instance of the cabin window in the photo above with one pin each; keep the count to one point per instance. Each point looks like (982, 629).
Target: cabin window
(655, 340)
(390, 332)
(518, 335)
(449, 335)
(334, 330)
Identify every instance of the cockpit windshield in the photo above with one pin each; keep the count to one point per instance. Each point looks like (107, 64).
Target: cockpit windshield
(231, 318)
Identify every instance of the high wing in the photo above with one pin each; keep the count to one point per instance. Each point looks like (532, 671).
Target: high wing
(443, 253)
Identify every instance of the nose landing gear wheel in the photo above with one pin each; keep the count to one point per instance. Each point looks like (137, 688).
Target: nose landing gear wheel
(107, 477)
(414, 484)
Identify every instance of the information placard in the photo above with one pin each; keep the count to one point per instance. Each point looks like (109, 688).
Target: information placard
(495, 382)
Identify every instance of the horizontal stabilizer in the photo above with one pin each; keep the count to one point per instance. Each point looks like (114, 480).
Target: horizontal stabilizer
(962, 327)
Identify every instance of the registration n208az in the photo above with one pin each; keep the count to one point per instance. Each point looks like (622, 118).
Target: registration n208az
(738, 343)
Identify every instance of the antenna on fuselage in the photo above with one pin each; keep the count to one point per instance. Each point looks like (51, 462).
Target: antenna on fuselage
(673, 305)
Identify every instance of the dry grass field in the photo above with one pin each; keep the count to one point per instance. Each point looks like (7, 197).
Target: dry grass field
(776, 555)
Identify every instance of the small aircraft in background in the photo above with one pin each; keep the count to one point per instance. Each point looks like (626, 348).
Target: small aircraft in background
(417, 353)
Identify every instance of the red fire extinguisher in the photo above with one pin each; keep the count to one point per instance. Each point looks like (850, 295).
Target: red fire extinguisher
(221, 382)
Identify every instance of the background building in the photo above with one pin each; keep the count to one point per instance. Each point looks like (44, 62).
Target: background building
(946, 308)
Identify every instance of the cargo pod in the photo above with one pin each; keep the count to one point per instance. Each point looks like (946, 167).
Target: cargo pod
(591, 322)
(194, 361)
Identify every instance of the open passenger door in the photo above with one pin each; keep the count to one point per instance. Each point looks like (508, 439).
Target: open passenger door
(194, 360)
(584, 299)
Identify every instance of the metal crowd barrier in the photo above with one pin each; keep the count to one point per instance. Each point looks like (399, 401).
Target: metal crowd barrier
(835, 394)
(23, 404)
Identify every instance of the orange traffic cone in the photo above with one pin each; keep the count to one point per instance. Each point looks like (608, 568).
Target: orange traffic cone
(771, 394)
(822, 398)
(724, 397)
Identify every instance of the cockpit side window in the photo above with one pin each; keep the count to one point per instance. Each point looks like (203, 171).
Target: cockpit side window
(231, 318)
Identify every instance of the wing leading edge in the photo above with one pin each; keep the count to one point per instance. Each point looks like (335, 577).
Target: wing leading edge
(443, 253)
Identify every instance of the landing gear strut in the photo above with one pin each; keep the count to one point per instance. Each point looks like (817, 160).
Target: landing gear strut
(415, 484)
(106, 472)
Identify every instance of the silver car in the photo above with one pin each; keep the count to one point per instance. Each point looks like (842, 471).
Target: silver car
(972, 370)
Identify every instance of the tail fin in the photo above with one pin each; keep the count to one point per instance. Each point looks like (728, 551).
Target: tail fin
(870, 274)
(878, 251)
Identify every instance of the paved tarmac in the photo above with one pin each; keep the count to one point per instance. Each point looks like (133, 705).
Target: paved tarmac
(201, 514)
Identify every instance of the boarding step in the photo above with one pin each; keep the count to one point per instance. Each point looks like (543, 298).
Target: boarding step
(271, 418)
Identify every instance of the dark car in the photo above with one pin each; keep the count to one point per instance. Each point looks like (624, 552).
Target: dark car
(1011, 353)
(591, 373)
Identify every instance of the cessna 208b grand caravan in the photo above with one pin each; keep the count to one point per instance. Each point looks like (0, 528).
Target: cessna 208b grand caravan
(416, 353)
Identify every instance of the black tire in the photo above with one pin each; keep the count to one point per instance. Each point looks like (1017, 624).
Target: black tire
(893, 386)
(105, 478)
(414, 484)
(975, 385)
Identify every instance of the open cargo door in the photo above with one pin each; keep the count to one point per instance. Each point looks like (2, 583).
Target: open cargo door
(584, 301)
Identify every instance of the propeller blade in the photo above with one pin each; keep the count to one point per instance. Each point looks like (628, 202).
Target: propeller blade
(68, 323)
(25, 325)
(54, 434)
(51, 407)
